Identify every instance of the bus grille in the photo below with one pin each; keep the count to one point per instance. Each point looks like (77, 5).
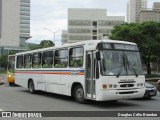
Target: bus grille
(126, 85)
(129, 92)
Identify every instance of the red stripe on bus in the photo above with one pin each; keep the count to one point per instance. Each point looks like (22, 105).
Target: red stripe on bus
(61, 73)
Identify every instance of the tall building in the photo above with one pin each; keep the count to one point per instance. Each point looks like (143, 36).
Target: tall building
(14, 24)
(151, 14)
(133, 9)
(24, 21)
(89, 24)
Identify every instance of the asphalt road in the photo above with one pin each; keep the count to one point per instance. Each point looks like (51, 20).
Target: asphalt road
(19, 99)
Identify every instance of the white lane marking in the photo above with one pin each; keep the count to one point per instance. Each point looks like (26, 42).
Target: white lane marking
(1, 109)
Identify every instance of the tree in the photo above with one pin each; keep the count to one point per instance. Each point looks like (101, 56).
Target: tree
(43, 44)
(146, 35)
(4, 61)
(46, 43)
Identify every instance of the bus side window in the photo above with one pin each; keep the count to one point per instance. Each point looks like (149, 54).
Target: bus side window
(27, 61)
(76, 57)
(61, 58)
(19, 62)
(36, 60)
(47, 59)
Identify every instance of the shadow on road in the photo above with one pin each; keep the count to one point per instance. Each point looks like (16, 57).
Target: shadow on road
(97, 104)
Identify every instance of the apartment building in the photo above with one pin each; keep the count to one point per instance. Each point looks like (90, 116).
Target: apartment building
(14, 24)
(89, 24)
(133, 10)
(151, 14)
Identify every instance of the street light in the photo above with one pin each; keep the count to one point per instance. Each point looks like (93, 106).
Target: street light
(52, 33)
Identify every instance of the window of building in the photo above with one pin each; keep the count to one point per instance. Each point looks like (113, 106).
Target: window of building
(36, 60)
(76, 57)
(19, 62)
(95, 23)
(27, 61)
(47, 59)
(61, 58)
(94, 37)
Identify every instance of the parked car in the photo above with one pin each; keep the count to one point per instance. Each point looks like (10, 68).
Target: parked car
(150, 90)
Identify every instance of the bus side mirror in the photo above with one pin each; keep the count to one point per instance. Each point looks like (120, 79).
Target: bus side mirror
(98, 55)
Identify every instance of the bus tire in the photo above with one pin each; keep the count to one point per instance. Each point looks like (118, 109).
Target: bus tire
(31, 87)
(79, 94)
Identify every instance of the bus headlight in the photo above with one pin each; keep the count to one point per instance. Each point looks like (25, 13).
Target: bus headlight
(114, 86)
(110, 86)
(9, 75)
(140, 84)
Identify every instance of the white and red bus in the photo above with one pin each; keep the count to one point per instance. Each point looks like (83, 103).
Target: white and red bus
(100, 70)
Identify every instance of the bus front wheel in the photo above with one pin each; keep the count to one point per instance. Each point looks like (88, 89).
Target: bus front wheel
(31, 87)
(79, 94)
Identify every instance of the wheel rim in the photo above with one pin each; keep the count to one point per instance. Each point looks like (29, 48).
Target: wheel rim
(80, 93)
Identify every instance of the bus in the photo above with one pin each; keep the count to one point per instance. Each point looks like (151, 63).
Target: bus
(100, 70)
(10, 69)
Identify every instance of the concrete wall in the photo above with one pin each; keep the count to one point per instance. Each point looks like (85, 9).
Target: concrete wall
(10, 23)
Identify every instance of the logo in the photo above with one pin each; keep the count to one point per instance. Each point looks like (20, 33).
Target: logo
(127, 80)
(6, 114)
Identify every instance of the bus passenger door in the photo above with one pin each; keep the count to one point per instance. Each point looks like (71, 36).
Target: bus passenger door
(90, 79)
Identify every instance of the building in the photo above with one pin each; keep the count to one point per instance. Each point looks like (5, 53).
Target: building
(14, 24)
(64, 36)
(133, 10)
(151, 14)
(24, 21)
(89, 24)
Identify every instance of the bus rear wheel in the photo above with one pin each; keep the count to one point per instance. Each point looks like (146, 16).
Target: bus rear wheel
(79, 94)
(31, 87)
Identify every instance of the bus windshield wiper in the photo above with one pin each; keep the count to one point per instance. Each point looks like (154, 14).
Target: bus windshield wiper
(130, 66)
(121, 66)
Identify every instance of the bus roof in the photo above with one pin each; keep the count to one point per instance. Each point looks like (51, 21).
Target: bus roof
(87, 42)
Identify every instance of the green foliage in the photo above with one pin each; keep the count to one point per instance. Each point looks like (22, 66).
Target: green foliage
(46, 43)
(146, 35)
(43, 44)
(4, 61)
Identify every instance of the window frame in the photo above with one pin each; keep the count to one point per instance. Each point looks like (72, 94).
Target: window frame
(70, 57)
(60, 65)
(40, 62)
(46, 57)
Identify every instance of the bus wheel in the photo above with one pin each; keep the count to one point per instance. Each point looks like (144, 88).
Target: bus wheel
(79, 94)
(31, 87)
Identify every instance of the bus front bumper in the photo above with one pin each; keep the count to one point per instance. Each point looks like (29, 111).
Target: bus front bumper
(107, 95)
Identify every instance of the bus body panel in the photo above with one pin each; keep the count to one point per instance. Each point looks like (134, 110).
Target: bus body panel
(126, 87)
(60, 80)
(54, 81)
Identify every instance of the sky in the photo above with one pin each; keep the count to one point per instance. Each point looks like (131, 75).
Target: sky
(49, 16)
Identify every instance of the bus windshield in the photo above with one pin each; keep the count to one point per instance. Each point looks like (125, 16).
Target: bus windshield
(120, 62)
(11, 63)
